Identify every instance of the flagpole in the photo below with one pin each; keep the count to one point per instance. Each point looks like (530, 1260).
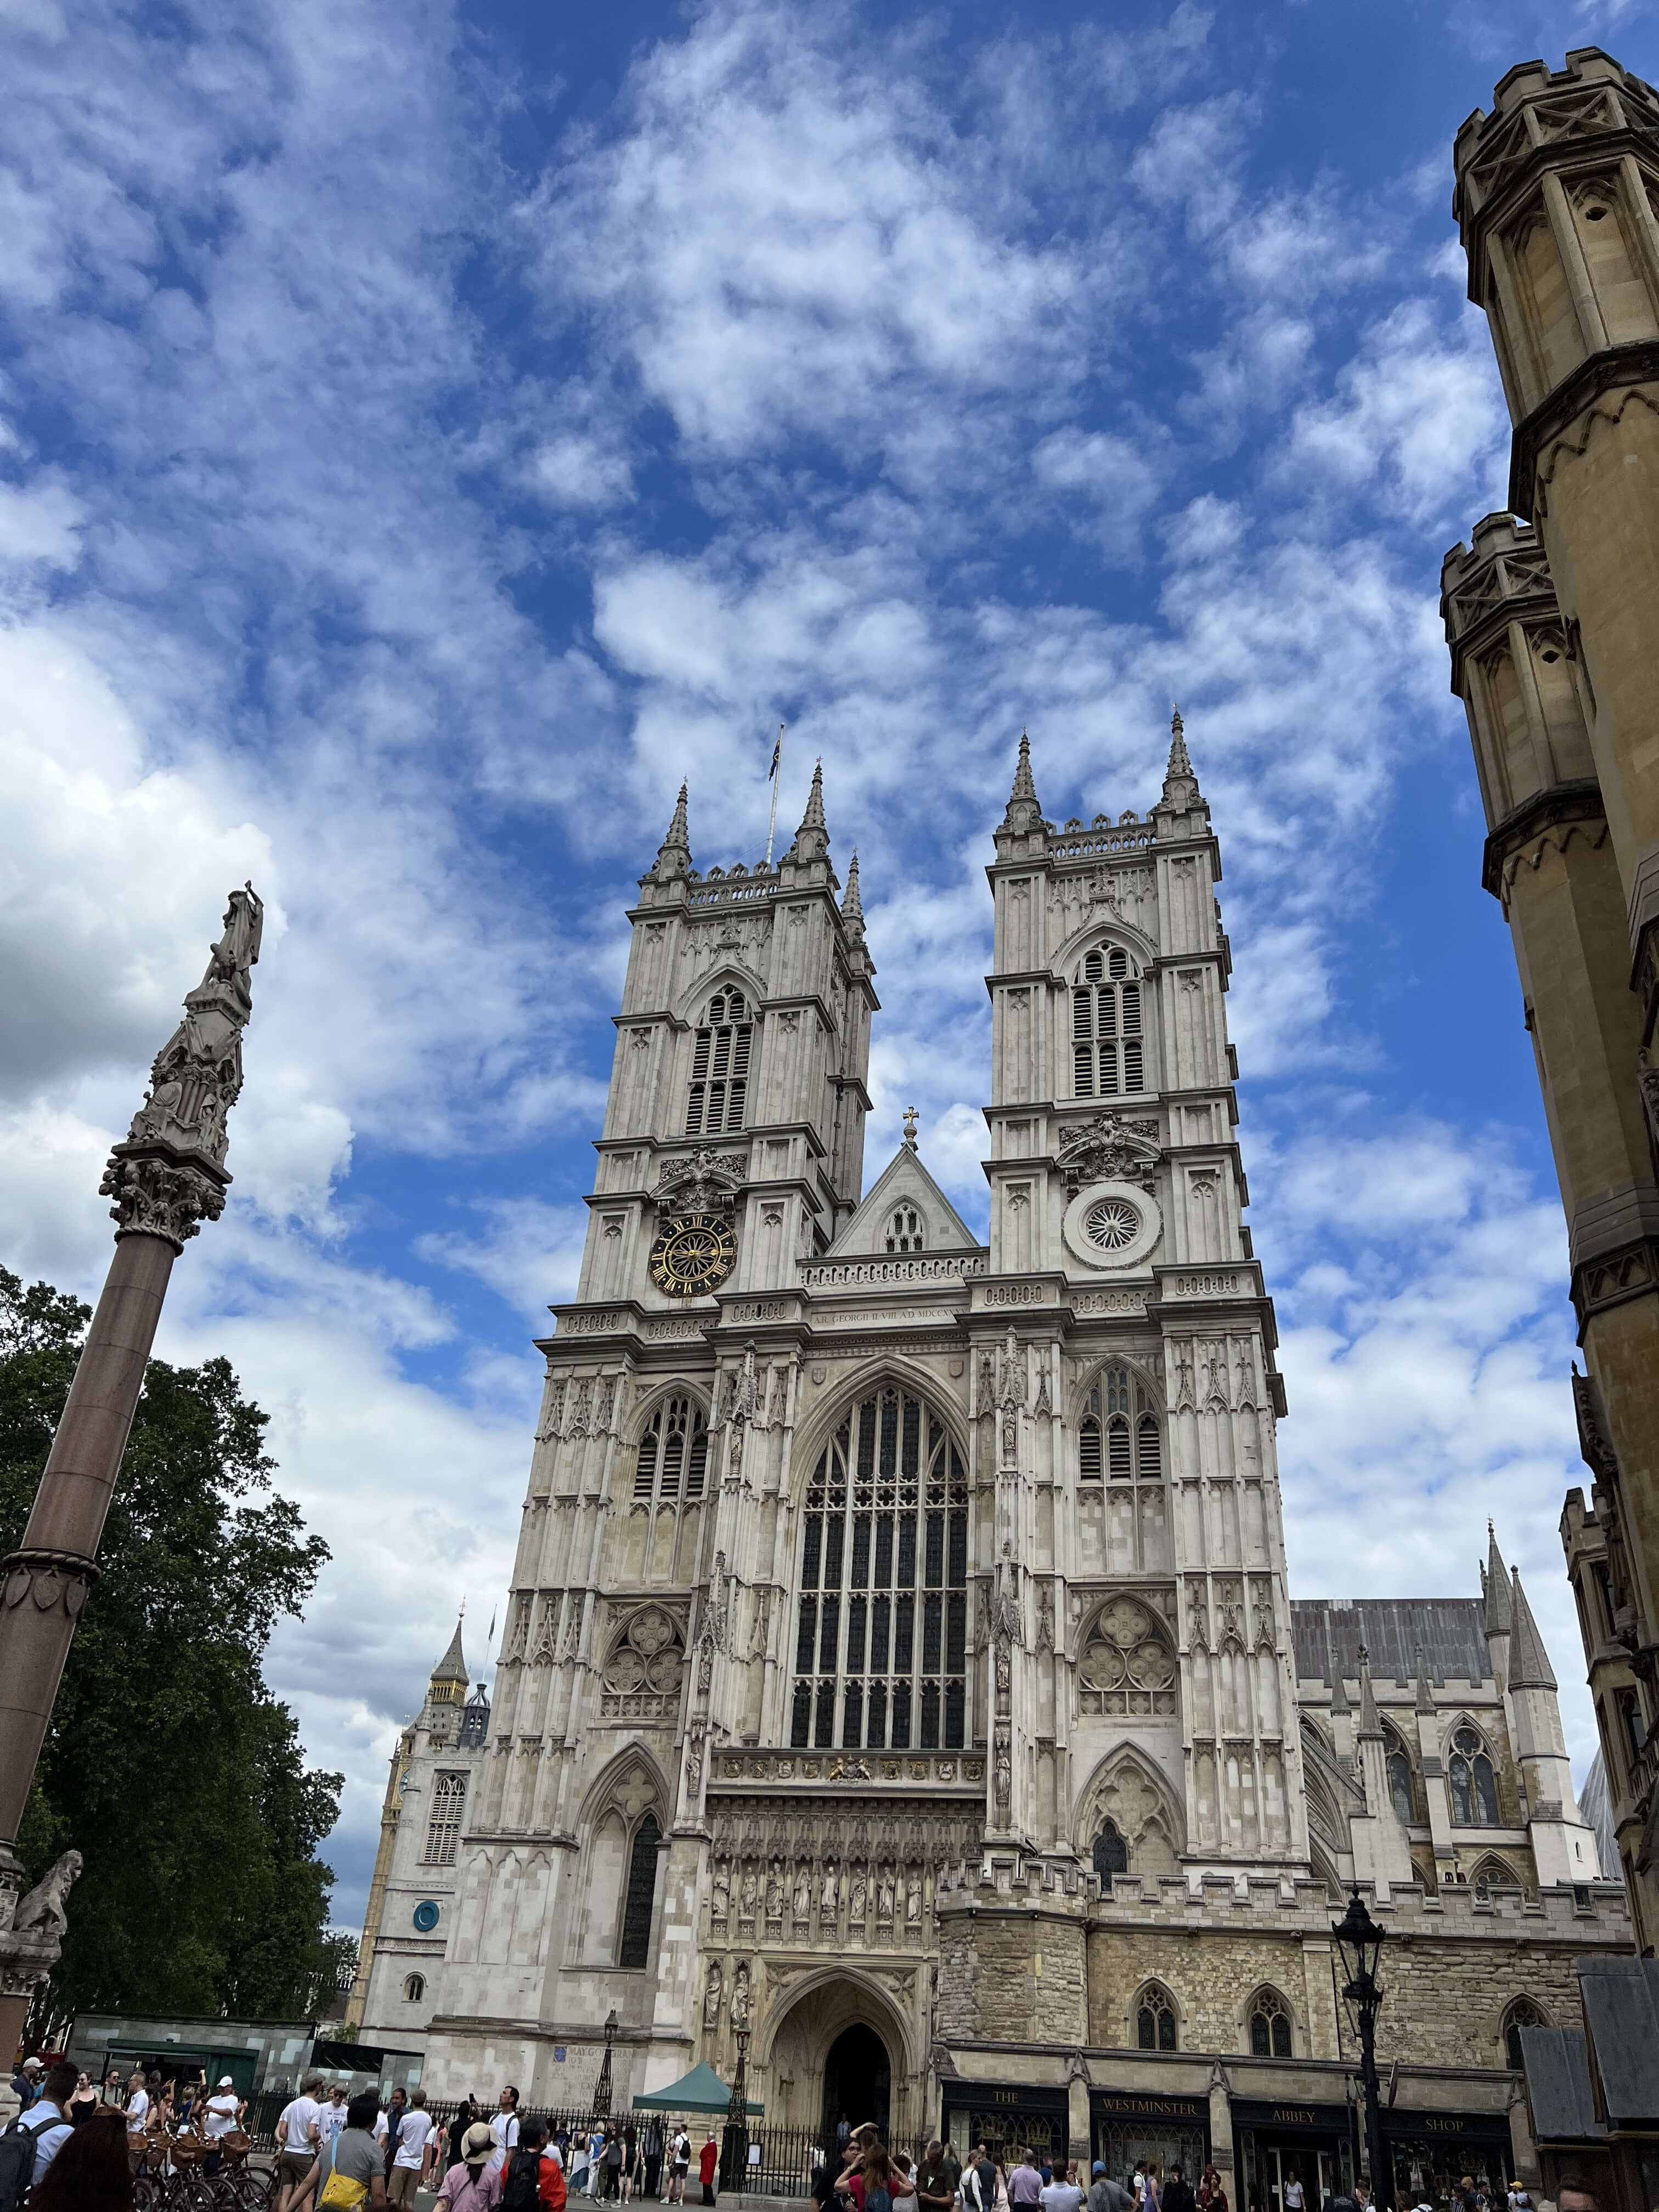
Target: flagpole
(777, 778)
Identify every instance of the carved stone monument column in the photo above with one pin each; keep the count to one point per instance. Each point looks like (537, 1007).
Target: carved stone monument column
(166, 1179)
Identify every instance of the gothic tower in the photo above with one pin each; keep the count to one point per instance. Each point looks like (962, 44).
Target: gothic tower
(1551, 630)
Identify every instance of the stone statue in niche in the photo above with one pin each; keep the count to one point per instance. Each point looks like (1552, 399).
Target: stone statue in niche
(803, 1891)
(720, 1901)
(884, 1897)
(741, 1995)
(829, 1893)
(912, 1903)
(713, 1992)
(750, 1892)
(774, 1892)
(855, 1896)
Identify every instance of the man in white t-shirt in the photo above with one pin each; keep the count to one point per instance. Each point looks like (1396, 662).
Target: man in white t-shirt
(407, 2159)
(220, 2118)
(299, 2134)
(330, 2116)
(505, 2128)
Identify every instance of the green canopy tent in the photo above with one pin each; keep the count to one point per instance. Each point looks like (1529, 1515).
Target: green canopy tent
(701, 2090)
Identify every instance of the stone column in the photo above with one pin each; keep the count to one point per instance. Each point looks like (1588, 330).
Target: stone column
(166, 1179)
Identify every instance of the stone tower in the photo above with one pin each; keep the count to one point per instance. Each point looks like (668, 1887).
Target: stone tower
(1550, 628)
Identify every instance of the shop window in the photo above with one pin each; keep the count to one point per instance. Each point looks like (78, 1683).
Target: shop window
(1474, 1788)
(1155, 2018)
(1270, 2026)
(1523, 2013)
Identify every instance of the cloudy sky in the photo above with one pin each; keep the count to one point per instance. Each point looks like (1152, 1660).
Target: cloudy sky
(428, 432)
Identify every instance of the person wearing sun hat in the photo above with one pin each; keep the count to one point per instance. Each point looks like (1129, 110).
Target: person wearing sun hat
(472, 2184)
(219, 2119)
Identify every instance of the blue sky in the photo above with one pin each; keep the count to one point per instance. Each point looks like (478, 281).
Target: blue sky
(428, 432)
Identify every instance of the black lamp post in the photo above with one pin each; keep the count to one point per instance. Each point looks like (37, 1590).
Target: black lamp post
(736, 2146)
(1359, 1939)
(602, 2092)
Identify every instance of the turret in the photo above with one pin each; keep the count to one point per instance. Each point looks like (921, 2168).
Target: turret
(1381, 1847)
(1563, 1845)
(1180, 812)
(673, 861)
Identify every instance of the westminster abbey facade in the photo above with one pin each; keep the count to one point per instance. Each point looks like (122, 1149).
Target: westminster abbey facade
(900, 1668)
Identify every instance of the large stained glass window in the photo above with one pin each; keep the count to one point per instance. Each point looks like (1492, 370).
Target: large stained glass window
(636, 1950)
(881, 1639)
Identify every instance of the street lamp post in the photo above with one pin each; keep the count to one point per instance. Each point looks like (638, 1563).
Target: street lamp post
(737, 2117)
(1359, 1939)
(602, 2092)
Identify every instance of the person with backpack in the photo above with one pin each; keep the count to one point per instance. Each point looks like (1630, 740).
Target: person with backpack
(979, 2181)
(521, 2176)
(35, 2138)
(90, 2173)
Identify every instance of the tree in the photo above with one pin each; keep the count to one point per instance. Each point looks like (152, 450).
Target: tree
(169, 1766)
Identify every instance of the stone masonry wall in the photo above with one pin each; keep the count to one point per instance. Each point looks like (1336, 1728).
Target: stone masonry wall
(1013, 1976)
(1209, 1974)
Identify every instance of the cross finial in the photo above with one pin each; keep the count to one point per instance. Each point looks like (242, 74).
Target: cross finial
(910, 1127)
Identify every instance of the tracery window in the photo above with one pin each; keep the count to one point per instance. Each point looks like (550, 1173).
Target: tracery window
(415, 1989)
(1473, 1789)
(1155, 2018)
(1270, 2026)
(1493, 1874)
(641, 1897)
(1111, 1857)
(904, 1229)
(881, 1643)
(1523, 2013)
(673, 1457)
(720, 1067)
(1118, 1437)
(443, 1828)
(1128, 1662)
(1107, 1045)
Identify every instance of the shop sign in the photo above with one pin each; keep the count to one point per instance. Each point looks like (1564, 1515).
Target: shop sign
(1130, 2104)
(1291, 2119)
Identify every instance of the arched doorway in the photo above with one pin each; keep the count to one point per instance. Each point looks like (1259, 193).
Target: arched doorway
(858, 2080)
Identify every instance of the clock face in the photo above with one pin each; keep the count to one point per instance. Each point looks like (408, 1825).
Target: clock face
(694, 1254)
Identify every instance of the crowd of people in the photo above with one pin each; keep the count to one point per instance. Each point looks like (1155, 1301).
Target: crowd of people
(80, 2143)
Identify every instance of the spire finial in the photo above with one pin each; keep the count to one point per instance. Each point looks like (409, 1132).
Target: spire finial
(673, 858)
(1179, 763)
(910, 1127)
(1424, 1695)
(1529, 1663)
(812, 838)
(1369, 1724)
(1022, 813)
(851, 905)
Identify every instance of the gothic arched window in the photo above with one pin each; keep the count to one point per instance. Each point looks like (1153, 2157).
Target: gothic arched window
(636, 1947)
(415, 1989)
(1270, 2026)
(881, 1642)
(673, 1457)
(720, 1067)
(1111, 1857)
(443, 1828)
(1523, 2013)
(1400, 1785)
(904, 1229)
(1108, 1044)
(1118, 1436)
(1473, 1789)
(1155, 2018)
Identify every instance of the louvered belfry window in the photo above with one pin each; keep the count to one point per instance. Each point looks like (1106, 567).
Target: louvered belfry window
(720, 1067)
(1118, 1437)
(1108, 1044)
(673, 1453)
(443, 1828)
(881, 1639)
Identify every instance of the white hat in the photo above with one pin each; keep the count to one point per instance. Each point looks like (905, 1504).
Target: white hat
(225, 2081)
(32, 2066)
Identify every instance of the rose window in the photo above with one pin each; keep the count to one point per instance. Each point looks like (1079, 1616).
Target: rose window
(1111, 1224)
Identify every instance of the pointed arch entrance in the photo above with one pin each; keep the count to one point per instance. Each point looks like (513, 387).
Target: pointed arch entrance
(836, 2044)
(858, 2080)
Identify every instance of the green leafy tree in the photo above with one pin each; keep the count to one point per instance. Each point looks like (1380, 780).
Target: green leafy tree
(169, 1766)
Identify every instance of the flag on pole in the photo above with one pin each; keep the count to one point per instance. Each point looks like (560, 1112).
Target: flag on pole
(490, 1638)
(777, 755)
